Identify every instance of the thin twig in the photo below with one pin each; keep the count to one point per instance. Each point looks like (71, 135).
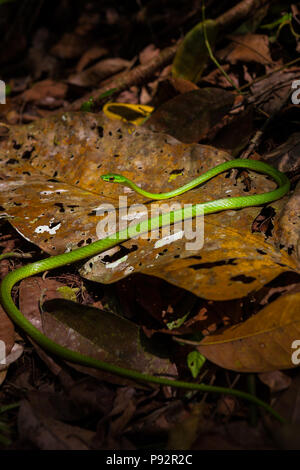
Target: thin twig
(211, 55)
(242, 10)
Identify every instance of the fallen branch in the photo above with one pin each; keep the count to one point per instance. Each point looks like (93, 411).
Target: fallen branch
(134, 77)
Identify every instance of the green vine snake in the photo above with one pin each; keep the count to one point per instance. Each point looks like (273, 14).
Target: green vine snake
(102, 245)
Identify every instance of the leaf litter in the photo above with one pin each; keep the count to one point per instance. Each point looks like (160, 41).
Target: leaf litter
(48, 188)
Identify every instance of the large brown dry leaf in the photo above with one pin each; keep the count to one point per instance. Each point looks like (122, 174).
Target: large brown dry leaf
(190, 116)
(260, 344)
(104, 336)
(51, 187)
(192, 53)
(247, 48)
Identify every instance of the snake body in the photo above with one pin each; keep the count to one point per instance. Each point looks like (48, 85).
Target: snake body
(102, 245)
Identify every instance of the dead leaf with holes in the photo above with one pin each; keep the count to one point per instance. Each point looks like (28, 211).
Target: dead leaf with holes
(51, 190)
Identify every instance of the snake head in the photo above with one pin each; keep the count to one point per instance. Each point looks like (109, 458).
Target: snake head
(114, 178)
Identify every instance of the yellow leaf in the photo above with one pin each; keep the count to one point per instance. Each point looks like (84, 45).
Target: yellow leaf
(134, 113)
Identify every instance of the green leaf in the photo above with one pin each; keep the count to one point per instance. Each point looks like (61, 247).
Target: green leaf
(192, 54)
(195, 361)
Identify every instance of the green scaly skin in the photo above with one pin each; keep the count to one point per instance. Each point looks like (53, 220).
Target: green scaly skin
(102, 245)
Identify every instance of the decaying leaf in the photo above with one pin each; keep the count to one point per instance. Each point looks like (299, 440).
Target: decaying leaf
(91, 331)
(51, 188)
(48, 433)
(190, 116)
(105, 336)
(192, 54)
(247, 48)
(260, 344)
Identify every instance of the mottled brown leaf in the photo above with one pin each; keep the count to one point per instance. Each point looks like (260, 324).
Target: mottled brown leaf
(104, 336)
(190, 116)
(51, 188)
(260, 344)
(89, 330)
(247, 48)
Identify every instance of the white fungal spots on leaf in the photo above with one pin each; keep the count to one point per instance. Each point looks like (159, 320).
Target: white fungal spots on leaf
(169, 239)
(45, 228)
